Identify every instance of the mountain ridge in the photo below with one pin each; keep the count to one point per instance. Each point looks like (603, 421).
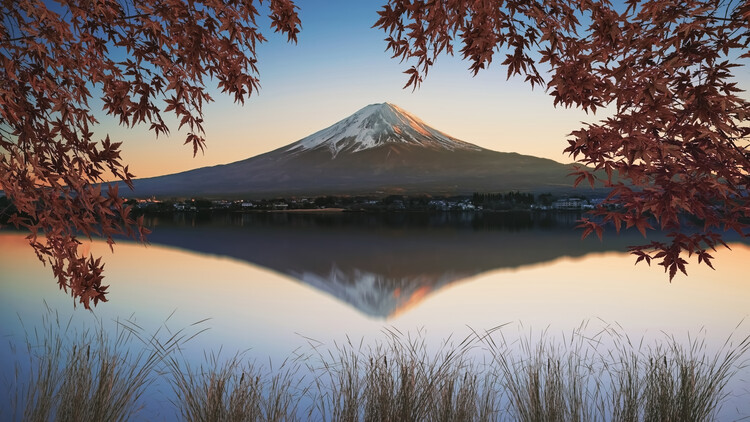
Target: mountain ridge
(377, 125)
(380, 149)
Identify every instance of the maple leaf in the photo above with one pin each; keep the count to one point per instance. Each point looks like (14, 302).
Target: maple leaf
(678, 138)
(51, 167)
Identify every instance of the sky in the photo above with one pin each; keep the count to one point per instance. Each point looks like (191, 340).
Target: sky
(338, 66)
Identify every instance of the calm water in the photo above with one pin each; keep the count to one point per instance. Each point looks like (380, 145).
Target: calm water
(270, 282)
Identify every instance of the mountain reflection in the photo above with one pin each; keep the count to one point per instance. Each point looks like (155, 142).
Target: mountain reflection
(382, 263)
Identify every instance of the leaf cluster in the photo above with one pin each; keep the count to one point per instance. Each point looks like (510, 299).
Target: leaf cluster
(677, 142)
(147, 59)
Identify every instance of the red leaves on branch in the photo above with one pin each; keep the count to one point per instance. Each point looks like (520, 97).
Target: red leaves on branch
(142, 58)
(676, 149)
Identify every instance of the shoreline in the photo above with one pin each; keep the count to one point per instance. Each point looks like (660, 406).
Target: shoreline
(304, 210)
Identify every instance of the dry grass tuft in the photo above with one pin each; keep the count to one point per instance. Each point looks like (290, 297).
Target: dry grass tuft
(88, 375)
(75, 376)
(230, 390)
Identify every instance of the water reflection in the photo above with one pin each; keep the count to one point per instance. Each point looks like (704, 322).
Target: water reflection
(477, 271)
(381, 264)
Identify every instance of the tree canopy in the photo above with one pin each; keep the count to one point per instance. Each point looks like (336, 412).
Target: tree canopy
(147, 59)
(674, 149)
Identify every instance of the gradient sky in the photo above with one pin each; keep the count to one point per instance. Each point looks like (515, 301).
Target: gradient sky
(339, 66)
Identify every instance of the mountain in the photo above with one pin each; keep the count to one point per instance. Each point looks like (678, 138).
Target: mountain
(376, 126)
(379, 149)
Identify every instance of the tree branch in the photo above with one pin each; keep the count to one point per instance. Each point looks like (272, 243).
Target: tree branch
(9, 40)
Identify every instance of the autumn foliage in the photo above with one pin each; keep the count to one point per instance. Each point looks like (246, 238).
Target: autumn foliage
(674, 147)
(145, 60)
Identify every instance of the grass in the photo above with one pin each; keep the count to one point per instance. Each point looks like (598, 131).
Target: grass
(486, 376)
(88, 375)
(582, 380)
(399, 380)
(232, 390)
(671, 381)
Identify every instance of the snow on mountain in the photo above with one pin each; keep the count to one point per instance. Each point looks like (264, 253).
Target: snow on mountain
(379, 149)
(377, 125)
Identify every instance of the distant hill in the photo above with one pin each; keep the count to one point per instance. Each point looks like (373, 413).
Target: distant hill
(380, 149)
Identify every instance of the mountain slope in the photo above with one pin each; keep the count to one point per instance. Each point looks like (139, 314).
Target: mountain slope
(379, 149)
(375, 126)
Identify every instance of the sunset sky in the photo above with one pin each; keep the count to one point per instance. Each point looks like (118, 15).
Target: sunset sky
(339, 66)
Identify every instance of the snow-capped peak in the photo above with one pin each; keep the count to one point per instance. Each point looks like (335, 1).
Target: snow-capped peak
(376, 125)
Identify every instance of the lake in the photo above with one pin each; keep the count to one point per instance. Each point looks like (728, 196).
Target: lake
(274, 283)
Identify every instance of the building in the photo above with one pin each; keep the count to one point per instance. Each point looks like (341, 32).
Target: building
(568, 204)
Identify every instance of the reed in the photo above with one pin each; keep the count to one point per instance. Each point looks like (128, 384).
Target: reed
(233, 390)
(487, 376)
(545, 379)
(86, 375)
(399, 379)
(671, 380)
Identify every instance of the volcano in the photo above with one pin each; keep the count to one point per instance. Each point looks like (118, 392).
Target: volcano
(380, 149)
